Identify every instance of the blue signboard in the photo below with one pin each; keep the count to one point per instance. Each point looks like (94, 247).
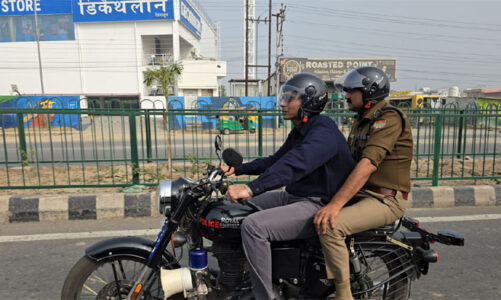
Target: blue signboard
(28, 7)
(41, 120)
(122, 10)
(190, 18)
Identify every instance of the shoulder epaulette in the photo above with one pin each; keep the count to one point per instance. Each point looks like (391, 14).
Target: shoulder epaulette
(379, 112)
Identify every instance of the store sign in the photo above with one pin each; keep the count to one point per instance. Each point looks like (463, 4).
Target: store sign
(122, 10)
(330, 69)
(28, 7)
(190, 18)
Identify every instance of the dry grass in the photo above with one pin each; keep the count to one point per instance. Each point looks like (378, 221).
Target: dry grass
(77, 175)
(466, 167)
(151, 173)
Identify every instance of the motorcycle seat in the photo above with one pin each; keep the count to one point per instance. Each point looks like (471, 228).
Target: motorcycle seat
(381, 230)
(388, 227)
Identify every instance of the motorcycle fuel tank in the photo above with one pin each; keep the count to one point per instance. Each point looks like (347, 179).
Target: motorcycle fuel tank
(222, 220)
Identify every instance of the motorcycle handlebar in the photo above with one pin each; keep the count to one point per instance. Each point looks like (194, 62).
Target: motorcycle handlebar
(223, 185)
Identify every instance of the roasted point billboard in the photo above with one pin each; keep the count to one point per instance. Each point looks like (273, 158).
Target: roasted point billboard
(331, 68)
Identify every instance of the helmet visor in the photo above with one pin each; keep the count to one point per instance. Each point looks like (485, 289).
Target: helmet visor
(350, 81)
(289, 93)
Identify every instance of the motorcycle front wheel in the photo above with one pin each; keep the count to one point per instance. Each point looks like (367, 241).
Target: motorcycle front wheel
(111, 278)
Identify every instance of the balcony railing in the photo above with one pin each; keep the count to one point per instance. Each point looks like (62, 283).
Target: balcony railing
(158, 59)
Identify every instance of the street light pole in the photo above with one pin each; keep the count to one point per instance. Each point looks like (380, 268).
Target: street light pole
(38, 48)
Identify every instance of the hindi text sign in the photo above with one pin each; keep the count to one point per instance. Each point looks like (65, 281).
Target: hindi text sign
(122, 10)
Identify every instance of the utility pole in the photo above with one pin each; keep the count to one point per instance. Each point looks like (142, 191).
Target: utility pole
(252, 41)
(279, 47)
(38, 48)
(269, 48)
(246, 47)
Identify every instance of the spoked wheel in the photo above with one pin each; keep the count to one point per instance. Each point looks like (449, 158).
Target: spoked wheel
(383, 276)
(109, 279)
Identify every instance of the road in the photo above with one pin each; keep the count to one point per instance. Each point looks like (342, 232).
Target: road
(36, 269)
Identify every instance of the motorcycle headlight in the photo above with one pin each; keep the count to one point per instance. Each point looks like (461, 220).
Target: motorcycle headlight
(164, 196)
(169, 192)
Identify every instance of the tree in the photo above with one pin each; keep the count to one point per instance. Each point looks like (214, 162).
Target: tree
(166, 76)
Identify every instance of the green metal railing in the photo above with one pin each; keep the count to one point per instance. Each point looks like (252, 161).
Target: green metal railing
(120, 148)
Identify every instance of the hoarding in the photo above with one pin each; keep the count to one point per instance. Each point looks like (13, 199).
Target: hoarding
(28, 7)
(122, 10)
(106, 10)
(190, 18)
(331, 68)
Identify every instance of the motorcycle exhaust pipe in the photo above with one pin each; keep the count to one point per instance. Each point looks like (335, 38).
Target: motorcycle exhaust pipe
(175, 281)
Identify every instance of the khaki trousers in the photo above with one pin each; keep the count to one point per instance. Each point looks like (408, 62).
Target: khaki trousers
(370, 210)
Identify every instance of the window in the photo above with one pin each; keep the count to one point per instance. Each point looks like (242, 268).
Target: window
(56, 28)
(7, 30)
(22, 28)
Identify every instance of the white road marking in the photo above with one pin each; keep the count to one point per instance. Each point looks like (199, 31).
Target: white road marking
(154, 232)
(77, 235)
(459, 218)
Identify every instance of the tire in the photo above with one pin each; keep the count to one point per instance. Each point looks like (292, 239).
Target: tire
(90, 279)
(253, 130)
(384, 276)
(225, 131)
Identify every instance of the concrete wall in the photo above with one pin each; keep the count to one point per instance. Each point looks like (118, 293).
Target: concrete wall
(200, 74)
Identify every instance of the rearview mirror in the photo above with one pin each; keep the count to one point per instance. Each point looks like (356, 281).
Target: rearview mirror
(232, 158)
(218, 143)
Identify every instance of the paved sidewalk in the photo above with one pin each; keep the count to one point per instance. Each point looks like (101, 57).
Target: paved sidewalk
(35, 208)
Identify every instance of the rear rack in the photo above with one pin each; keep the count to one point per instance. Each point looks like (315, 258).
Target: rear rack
(443, 237)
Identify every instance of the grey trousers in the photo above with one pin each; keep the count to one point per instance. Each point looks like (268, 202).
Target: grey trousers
(284, 217)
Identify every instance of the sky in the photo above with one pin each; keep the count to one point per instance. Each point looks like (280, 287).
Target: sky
(437, 43)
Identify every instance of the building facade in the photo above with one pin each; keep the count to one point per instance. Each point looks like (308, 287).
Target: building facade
(99, 50)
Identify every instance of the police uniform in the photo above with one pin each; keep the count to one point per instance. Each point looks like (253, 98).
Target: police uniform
(381, 134)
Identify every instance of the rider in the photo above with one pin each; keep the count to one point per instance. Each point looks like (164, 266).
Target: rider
(312, 164)
(381, 145)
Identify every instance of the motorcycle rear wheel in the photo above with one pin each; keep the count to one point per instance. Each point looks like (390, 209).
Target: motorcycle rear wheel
(90, 279)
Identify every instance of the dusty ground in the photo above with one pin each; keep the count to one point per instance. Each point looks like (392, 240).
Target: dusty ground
(151, 173)
(458, 167)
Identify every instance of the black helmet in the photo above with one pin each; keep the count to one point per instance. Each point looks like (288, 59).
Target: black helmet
(309, 88)
(372, 81)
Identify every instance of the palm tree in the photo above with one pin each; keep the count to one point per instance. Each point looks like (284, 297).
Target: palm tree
(166, 76)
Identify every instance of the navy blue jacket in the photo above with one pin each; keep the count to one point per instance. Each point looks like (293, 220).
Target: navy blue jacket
(314, 161)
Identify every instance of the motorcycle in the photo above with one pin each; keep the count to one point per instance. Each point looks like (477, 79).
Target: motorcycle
(383, 261)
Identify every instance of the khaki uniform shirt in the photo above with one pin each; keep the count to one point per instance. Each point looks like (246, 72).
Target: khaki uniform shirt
(382, 142)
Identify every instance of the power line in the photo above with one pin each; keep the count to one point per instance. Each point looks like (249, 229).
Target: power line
(372, 16)
(395, 50)
(405, 34)
(373, 51)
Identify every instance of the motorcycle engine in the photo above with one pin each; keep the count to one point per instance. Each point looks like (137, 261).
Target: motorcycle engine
(233, 266)
(317, 285)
